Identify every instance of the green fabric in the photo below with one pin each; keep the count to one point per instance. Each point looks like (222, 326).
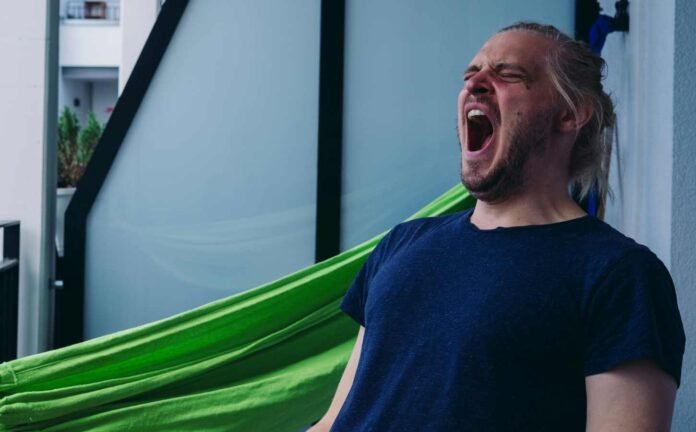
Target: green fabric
(267, 359)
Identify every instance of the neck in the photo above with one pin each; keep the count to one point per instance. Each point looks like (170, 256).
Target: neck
(538, 204)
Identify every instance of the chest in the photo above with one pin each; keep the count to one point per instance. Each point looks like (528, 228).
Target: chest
(497, 303)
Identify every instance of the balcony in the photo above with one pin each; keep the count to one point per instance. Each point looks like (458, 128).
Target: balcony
(91, 12)
(90, 34)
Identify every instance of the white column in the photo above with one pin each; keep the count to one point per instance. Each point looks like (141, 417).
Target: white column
(27, 153)
(640, 84)
(137, 19)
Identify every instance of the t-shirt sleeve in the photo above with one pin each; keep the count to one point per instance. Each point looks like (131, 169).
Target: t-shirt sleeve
(633, 315)
(354, 301)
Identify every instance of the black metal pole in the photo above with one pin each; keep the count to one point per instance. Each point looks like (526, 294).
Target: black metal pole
(9, 290)
(586, 12)
(330, 134)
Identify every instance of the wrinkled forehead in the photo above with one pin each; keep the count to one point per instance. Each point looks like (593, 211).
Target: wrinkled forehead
(514, 47)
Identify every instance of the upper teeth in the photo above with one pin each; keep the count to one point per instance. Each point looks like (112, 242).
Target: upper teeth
(474, 112)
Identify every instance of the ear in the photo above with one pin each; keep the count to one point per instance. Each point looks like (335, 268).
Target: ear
(567, 121)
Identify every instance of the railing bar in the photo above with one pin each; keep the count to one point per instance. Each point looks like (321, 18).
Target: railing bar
(77, 10)
(8, 264)
(9, 289)
(5, 308)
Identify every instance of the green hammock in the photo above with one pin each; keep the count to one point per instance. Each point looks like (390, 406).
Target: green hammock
(267, 359)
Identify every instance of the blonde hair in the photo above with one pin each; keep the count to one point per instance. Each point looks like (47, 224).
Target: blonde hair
(577, 73)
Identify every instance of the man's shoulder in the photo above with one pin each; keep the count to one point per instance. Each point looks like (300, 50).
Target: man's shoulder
(608, 253)
(604, 240)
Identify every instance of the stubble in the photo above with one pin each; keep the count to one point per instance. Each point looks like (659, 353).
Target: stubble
(507, 178)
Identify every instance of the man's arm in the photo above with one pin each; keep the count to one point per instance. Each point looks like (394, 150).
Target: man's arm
(636, 396)
(343, 388)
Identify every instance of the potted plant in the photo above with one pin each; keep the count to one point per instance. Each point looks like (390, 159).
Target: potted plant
(75, 148)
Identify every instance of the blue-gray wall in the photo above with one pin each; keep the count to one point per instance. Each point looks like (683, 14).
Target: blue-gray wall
(404, 66)
(684, 200)
(213, 190)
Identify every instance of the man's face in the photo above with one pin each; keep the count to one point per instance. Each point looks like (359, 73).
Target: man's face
(505, 114)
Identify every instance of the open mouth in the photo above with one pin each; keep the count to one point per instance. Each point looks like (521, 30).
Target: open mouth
(479, 130)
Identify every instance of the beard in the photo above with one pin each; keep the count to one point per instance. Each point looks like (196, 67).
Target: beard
(507, 177)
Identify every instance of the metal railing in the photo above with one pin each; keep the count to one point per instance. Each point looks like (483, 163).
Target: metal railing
(91, 10)
(9, 290)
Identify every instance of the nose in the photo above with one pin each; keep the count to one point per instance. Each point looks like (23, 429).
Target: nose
(478, 84)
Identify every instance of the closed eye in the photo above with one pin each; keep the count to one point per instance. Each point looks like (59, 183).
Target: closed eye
(505, 71)
(510, 71)
(509, 75)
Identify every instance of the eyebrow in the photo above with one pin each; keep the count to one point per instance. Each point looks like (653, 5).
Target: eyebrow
(471, 68)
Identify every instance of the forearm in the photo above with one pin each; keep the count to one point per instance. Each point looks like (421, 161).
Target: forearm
(321, 426)
(344, 386)
(634, 397)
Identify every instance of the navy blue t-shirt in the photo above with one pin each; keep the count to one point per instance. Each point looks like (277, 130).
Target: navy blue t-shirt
(496, 330)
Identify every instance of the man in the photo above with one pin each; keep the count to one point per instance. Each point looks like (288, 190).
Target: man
(524, 314)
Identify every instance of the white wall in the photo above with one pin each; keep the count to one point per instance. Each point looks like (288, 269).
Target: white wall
(641, 86)
(71, 89)
(651, 78)
(27, 164)
(86, 43)
(104, 96)
(96, 96)
(137, 19)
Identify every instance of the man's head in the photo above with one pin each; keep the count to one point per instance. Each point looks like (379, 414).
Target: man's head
(533, 99)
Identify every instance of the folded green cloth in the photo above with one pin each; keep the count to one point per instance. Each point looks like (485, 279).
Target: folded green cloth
(268, 359)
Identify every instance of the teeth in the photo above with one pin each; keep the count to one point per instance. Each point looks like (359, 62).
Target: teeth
(474, 113)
